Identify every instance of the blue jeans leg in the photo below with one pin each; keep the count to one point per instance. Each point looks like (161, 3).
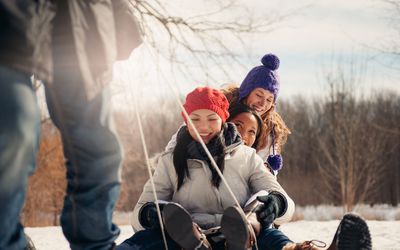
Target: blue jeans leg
(19, 137)
(149, 239)
(93, 156)
(272, 239)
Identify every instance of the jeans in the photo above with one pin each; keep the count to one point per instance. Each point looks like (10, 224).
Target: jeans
(19, 137)
(91, 148)
(272, 239)
(151, 239)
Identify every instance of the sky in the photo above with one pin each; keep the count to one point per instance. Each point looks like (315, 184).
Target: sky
(334, 31)
(314, 38)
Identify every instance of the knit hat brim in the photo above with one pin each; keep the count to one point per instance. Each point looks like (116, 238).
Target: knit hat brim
(207, 98)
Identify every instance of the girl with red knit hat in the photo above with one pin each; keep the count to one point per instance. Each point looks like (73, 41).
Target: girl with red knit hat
(259, 90)
(195, 201)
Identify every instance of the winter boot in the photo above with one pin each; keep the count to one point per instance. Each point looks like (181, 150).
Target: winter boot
(351, 234)
(181, 228)
(238, 232)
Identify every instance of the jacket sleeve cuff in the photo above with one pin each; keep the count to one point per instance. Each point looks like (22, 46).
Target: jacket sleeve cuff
(283, 204)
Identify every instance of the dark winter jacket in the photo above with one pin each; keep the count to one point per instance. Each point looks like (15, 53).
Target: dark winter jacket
(94, 33)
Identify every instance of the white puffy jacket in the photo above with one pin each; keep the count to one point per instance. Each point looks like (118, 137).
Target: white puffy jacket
(244, 171)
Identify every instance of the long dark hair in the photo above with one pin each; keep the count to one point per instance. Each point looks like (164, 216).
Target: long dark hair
(181, 155)
(239, 108)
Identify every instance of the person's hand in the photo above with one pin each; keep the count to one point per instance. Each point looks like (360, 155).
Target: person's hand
(269, 209)
(148, 217)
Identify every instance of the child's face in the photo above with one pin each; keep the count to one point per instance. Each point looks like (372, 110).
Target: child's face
(247, 126)
(207, 123)
(260, 100)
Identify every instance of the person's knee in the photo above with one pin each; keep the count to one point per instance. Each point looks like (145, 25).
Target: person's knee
(18, 148)
(108, 159)
(20, 123)
(23, 130)
(20, 118)
(94, 163)
(96, 141)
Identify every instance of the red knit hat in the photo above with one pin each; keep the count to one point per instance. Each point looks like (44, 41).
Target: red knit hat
(207, 98)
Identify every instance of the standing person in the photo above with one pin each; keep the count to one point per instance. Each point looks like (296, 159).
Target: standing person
(259, 90)
(71, 46)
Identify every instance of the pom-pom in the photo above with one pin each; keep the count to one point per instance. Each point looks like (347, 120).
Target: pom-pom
(275, 162)
(270, 61)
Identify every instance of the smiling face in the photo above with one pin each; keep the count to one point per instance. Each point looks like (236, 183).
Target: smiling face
(260, 100)
(247, 125)
(207, 123)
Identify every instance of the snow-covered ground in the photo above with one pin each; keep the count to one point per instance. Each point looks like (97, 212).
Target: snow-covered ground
(385, 234)
(311, 222)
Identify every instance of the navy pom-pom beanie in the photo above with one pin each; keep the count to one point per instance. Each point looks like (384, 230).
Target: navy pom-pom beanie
(275, 162)
(264, 76)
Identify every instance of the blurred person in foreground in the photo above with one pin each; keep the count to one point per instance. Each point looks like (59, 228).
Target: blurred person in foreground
(70, 46)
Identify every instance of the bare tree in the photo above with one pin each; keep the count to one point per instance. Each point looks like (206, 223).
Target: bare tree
(339, 141)
(350, 174)
(299, 153)
(391, 46)
(209, 33)
(351, 147)
(386, 109)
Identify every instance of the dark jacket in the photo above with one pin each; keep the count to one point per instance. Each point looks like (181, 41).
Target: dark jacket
(92, 34)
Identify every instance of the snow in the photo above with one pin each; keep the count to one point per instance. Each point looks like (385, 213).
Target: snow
(325, 212)
(385, 234)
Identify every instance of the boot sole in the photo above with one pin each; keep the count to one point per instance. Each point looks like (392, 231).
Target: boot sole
(235, 228)
(353, 234)
(179, 226)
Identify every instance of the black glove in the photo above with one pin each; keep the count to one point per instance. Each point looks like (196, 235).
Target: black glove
(271, 207)
(148, 217)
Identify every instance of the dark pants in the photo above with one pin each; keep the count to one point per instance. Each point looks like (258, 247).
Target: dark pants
(91, 148)
(151, 239)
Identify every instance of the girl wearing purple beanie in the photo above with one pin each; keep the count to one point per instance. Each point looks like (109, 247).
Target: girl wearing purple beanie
(259, 90)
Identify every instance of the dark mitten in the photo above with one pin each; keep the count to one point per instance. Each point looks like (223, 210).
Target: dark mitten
(275, 162)
(272, 205)
(148, 217)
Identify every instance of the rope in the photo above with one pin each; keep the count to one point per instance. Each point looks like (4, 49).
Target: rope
(142, 137)
(273, 137)
(151, 178)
